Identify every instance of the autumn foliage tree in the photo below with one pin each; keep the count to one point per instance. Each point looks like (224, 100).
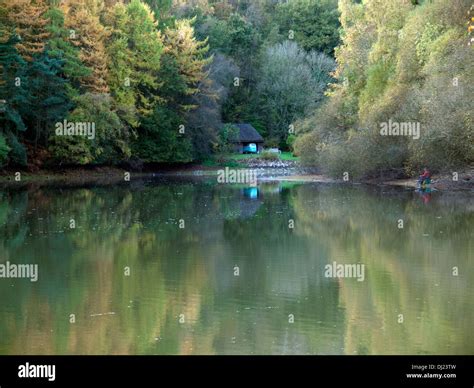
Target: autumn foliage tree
(88, 34)
(30, 24)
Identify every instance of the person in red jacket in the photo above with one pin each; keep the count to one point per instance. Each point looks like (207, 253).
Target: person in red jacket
(425, 177)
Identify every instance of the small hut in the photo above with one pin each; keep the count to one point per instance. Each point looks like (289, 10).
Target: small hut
(248, 139)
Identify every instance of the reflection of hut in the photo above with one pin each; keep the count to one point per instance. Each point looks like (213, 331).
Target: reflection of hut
(250, 203)
(251, 192)
(243, 204)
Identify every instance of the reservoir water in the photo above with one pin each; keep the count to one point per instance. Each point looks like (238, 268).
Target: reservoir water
(179, 266)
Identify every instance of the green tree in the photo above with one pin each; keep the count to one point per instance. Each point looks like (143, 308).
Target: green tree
(291, 85)
(60, 47)
(189, 56)
(4, 150)
(48, 100)
(13, 98)
(162, 11)
(313, 24)
(160, 140)
(136, 47)
(109, 143)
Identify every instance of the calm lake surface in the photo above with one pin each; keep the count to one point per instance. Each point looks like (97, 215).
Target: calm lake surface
(150, 268)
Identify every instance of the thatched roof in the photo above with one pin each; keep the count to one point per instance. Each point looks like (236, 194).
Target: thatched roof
(248, 134)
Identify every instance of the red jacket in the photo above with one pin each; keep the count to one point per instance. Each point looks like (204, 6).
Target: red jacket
(425, 175)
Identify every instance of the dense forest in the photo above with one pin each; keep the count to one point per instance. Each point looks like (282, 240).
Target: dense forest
(157, 81)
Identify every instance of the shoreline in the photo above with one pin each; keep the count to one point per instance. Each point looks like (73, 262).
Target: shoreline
(105, 175)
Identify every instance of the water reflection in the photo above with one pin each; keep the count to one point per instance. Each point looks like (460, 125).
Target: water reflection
(251, 192)
(425, 195)
(183, 295)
